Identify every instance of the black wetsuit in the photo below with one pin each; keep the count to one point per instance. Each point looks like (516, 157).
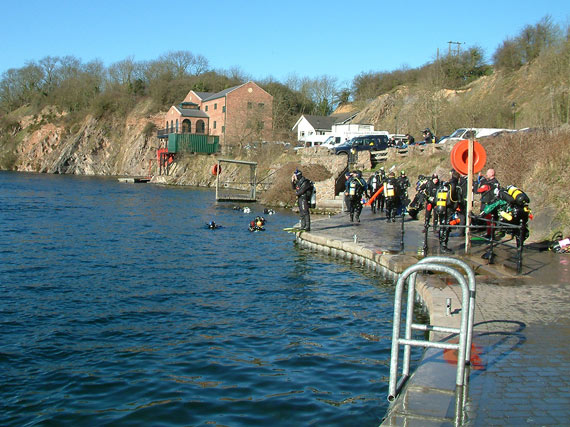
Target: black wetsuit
(356, 188)
(303, 190)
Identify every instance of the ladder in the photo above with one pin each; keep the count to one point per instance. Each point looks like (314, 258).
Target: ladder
(435, 264)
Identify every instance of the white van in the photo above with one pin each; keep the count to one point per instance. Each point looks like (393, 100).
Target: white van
(473, 133)
(334, 140)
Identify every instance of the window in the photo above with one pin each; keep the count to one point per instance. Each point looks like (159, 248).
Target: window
(215, 124)
(223, 129)
(261, 105)
(223, 109)
(176, 125)
(206, 108)
(215, 106)
(302, 133)
(249, 105)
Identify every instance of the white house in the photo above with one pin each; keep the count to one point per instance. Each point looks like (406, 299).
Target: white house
(314, 130)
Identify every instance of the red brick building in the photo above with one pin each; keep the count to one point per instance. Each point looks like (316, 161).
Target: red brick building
(238, 114)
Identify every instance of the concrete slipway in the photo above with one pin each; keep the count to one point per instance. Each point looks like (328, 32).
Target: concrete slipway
(520, 365)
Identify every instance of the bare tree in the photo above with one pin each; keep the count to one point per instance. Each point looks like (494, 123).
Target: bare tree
(122, 72)
(200, 65)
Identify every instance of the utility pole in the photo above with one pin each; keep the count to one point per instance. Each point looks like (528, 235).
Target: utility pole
(458, 45)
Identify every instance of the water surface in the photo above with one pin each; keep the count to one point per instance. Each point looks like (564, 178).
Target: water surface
(120, 307)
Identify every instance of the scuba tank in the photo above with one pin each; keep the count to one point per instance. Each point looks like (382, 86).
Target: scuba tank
(352, 187)
(313, 201)
(519, 196)
(441, 197)
(389, 189)
(374, 181)
(507, 216)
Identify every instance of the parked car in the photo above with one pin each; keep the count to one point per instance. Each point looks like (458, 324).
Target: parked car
(467, 133)
(363, 143)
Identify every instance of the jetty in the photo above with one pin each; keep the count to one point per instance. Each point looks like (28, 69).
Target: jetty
(519, 355)
(135, 180)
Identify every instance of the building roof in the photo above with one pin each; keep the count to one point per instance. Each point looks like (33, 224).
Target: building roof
(203, 95)
(343, 118)
(325, 123)
(208, 96)
(191, 112)
(221, 94)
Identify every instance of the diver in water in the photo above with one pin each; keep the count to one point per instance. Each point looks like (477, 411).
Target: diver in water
(212, 225)
(256, 225)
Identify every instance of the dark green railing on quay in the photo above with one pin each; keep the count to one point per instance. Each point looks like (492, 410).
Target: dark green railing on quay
(193, 143)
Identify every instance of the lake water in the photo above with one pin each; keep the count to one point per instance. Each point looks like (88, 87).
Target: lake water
(118, 306)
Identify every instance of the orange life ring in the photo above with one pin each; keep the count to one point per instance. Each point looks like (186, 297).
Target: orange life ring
(216, 169)
(460, 157)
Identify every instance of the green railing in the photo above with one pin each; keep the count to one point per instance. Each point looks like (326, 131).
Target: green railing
(192, 143)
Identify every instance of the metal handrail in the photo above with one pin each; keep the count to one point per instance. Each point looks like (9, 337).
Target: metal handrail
(472, 285)
(394, 385)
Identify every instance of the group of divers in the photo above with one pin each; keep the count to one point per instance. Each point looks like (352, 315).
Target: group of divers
(256, 224)
(503, 208)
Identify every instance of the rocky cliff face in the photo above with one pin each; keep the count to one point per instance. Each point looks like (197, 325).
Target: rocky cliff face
(125, 148)
(92, 147)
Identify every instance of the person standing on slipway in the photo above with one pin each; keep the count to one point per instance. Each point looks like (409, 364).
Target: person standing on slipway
(303, 190)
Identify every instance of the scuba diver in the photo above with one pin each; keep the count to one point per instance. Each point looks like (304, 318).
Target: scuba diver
(488, 187)
(428, 136)
(381, 198)
(447, 201)
(212, 225)
(256, 225)
(429, 189)
(267, 211)
(417, 204)
(303, 190)
(356, 187)
(374, 184)
(512, 208)
(392, 196)
(403, 184)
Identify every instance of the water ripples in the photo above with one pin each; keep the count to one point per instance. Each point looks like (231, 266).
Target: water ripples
(120, 307)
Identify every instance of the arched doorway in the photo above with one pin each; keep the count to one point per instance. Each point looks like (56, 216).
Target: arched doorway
(200, 127)
(186, 126)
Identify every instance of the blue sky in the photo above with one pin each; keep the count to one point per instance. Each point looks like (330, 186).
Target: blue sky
(266, 38)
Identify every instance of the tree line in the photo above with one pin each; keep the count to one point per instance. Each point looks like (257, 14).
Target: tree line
(76, 87)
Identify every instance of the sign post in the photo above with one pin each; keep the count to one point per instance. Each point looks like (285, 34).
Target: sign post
(468, 157)
(469, 197)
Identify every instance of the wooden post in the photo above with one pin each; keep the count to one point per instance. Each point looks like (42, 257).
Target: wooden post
(469, 197)
(218, 181)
